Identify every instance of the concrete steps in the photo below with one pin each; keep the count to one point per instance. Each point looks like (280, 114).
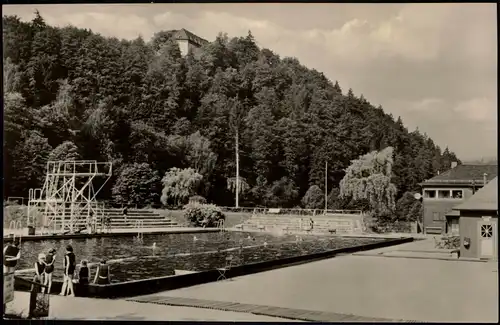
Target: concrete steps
(147, 218)
(345, 224)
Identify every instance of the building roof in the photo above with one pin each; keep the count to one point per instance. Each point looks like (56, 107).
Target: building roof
(453, 213)
(464, 174)
(486, 199)
(184, 34)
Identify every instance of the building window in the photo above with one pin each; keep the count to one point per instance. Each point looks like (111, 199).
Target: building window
(430, 194)
(457, 194)
(436, 216)
(444, 194)
(486, 231)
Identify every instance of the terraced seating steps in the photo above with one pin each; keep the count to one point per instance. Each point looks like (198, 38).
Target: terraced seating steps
(331, 223)
(148, 218)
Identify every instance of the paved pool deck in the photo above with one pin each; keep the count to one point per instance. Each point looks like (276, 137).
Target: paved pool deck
(429, 290)
(70, 308)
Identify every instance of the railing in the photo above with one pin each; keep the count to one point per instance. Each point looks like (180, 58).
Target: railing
(16, 199)
(16, 228)
(139, 224)
(221, 224)
(456, 181)
(280, 211)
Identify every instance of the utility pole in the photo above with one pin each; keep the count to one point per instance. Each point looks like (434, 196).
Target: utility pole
(237, 170)
(326, 186)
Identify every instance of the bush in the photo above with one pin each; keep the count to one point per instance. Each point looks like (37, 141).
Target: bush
(449, 242)
(197, 199)
(314, 198)
(203, 215)
(15, 212)
(388, 223)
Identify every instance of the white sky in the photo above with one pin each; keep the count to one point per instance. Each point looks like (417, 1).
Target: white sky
(433, 64)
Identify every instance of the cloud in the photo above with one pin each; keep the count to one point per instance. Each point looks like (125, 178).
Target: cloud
(127, 26)
(428, 104)
(478, 109)
(356, 39)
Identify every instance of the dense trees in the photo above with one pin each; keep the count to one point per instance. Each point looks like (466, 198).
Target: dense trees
(231, 110)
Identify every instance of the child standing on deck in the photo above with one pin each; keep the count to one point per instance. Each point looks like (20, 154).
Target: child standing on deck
(49, 268)
(83, 277)
(39, 270)
(84, 273)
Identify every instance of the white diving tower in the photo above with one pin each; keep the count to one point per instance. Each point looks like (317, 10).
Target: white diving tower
(67, 199)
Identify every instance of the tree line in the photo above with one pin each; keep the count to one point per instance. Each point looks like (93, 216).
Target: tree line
(176, 126)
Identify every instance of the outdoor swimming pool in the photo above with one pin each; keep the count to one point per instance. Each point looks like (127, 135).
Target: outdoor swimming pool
(131, 259)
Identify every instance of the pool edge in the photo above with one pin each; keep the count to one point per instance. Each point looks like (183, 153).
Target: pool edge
(154, 285)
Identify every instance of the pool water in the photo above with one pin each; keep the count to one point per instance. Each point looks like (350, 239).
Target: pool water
(131, 259)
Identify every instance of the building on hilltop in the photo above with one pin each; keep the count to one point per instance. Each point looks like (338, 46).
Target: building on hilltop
(445, 191)
(187, 41)
(478, 223)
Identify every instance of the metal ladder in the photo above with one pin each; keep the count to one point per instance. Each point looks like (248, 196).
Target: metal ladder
(16, 225)
(139, 224)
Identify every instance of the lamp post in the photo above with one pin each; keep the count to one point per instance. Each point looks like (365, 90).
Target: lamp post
(326, 186)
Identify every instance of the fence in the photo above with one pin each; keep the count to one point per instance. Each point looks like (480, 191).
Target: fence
(109, 204)
(16, 199)
(296, 211)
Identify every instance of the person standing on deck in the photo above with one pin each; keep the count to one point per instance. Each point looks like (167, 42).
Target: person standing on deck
(39, 270)
(311, 224)
(102, 276)
(49, 268)
(83, 277)
(11, 254)
(125, 211)
(69, 270)
(93, 217)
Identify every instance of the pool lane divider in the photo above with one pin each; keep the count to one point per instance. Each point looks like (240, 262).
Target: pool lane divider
(171, 282)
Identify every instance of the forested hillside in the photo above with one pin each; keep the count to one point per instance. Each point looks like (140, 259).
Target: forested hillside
(72, 94)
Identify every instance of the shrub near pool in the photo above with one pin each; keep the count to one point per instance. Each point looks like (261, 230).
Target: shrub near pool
(203, 215)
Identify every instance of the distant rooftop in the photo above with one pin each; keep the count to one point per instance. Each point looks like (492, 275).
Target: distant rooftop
(185, 35)
(486, 199)
(465, 173)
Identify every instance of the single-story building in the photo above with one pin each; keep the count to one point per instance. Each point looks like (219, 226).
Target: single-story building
(478, 223)
(443, 192)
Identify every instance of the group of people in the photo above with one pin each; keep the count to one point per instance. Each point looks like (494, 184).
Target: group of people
(45, 266)
(105, 223)
(93, 224)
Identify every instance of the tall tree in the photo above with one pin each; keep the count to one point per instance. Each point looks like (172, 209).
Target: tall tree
(369, 177)
(179, 185)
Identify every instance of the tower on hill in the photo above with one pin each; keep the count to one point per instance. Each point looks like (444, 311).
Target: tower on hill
(187, 41)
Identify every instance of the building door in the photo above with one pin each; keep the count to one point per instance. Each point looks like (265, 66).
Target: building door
(454, 227)
(486, 240)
